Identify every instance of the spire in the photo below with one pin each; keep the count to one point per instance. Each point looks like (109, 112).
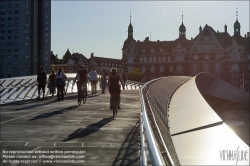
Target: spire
(182, 17)
(130, 16)
(225, 27)
(237, 24)
(130, 28)
(182, 29)
(236, 14)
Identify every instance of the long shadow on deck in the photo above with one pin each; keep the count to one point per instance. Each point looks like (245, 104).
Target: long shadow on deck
(47, 115)
(129, 153)
(90, 129)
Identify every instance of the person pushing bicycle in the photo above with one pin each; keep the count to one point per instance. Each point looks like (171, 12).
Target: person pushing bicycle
(82, 78)
(114, 86)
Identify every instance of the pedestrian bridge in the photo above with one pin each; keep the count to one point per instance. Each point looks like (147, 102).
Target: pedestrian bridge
(168, 121)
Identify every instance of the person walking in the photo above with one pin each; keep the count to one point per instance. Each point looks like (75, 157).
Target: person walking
(124, 78)
(59, 83)
(93, 80)
(114, 86)
(104, 74)
(51, 85)
(65, 79)
(41, 81)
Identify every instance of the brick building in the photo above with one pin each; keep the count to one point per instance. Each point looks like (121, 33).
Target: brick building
(214, 52)
(70, 63)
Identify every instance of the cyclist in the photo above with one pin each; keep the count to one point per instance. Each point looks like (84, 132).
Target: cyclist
(114, 86)
(81, 77)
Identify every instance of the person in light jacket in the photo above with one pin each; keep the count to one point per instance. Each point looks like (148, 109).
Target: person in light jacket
(93, 80)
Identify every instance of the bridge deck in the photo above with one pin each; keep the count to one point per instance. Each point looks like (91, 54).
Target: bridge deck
(51, 125)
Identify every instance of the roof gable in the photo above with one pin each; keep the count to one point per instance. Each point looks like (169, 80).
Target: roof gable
(207, 32)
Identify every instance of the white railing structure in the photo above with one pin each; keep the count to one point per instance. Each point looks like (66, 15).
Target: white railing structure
(24, 88)
(156, 143)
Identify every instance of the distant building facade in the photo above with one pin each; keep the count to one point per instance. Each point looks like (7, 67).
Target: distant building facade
(214, 52)
(70, 63)
(25, 37)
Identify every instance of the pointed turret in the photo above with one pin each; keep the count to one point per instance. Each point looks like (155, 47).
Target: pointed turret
(236, 25)
(182, 30)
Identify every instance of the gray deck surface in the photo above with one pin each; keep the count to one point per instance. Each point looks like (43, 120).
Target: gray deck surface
(52, 125)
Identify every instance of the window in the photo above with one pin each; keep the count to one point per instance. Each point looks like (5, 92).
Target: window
(15, 18)
(159, 59)
(2, 38)
(217, 56)
(154, 59)
(169, 59)
(16, 56)
(9, 63)
(9, 31)
(217, 66)
(131, 50)
(161, 50)
(9, 50)
(152, 50)
(16, 11)
(161, 69)
(2, 25)
(141, 59)
(16, 50)
(16, 37)
(16, 5)
(2, 13)
(152, 69)
(150, 59)
(207, 57)
(143, 69)
(205, 67)
(9, 12)
(196, 57)
(16, 24)
(171, 68)
(130, 60)
(2, 50)
(142, 51)
(179, 68)
(9, 6)
(2, 31)
(9, 37)
(9, 44)
(235, 67)
(164, 59)
(9, 25)
(145, 59)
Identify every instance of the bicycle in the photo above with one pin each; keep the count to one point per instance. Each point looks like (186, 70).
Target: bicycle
(82, 95)
(114, 104)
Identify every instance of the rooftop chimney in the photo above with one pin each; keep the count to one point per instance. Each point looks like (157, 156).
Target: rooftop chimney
(200, 28)
(247, 34)
(191, 38)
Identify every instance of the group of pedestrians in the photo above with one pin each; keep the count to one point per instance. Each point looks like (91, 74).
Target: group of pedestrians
(58, 80)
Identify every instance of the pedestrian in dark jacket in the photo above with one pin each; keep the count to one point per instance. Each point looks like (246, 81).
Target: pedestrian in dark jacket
(41, 81)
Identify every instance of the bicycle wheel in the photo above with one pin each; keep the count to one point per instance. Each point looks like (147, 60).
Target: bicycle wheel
(83, 97)
(79, 98)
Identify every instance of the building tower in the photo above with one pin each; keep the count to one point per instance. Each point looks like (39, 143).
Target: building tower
(130, 29)
(236, 25)
(182, 29)
(25, 37)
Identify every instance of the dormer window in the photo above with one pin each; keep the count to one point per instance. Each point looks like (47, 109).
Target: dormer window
(131, 50)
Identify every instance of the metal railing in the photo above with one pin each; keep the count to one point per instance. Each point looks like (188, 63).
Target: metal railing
(156, 143)
(24, 88)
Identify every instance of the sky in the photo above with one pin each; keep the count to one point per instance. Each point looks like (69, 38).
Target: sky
(101, 26)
